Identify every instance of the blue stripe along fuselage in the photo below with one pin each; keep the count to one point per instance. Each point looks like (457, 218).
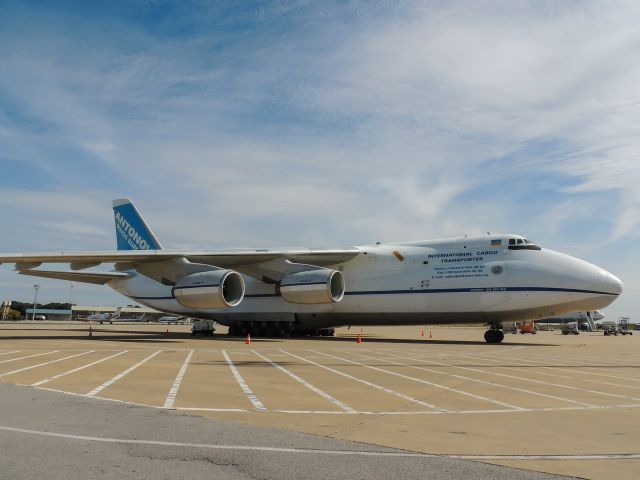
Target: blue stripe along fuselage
(302, 284)
(435, 290)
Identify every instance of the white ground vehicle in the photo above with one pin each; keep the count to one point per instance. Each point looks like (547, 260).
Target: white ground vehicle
(570, 328)
(202, 327)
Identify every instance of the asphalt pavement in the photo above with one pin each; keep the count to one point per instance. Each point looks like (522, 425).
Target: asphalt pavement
(46, 434)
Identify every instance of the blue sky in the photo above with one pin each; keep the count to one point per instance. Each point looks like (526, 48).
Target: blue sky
(320, 124)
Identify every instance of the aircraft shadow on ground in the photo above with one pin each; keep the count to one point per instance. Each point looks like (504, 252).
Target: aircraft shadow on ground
(135, 336)
(423, 341)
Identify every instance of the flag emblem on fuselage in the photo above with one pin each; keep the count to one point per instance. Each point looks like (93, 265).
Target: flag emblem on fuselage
(496, 243)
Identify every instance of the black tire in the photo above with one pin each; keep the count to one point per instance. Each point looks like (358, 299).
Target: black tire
(493, 336)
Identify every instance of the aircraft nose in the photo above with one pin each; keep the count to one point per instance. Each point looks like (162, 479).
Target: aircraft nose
(612, 284)
(578, 275)
(599, 280)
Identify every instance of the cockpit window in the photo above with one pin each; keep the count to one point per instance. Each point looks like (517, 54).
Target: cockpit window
(522, 244)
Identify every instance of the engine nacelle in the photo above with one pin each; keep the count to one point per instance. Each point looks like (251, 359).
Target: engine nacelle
(214, 289)
(313, 286)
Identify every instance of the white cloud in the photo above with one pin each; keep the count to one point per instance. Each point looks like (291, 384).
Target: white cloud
(436, 120)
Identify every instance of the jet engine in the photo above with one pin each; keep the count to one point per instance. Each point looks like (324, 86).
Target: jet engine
(213, 289)
(313, 286)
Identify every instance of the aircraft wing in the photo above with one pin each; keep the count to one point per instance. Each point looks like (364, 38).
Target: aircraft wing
(217, 258)
(97, 278)
(139, 249)
(172, 264)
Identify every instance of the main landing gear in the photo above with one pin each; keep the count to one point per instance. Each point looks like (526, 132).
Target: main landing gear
(494, 334)
(276, 330)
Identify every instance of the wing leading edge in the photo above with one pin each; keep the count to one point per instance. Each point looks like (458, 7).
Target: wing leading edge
(139, 249)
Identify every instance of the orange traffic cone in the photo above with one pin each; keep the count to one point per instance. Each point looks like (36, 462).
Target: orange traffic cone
(90, 331)
(248, 340)
(430, 336)
(359, 340)
(422, 333)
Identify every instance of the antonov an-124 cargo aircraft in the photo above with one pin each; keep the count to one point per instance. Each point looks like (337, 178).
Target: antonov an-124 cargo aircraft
(278, 292)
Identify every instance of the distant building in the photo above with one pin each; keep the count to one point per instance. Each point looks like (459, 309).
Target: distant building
(48, 314)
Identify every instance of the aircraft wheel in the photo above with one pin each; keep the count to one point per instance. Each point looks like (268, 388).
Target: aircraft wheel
(493, 336)
(488, 336)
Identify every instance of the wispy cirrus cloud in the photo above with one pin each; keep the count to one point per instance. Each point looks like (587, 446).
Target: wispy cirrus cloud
(323, 123)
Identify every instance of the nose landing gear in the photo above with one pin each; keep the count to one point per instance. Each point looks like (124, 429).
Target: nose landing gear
(494, 334)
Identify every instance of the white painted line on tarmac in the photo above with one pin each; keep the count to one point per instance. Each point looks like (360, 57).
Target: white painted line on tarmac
(122, 374)
(213, 409)
(555, 366)
(560, 385)
(417, 412)
(46, 363)
(102, 399)
(508, 387)
(243, 385)
(7, 353)
(343, 406)
(171, 397)
(575, 373)
(426, 382)
(29, 356)
(360, 412)
(365, 382)
(315, 451)
(68, 372)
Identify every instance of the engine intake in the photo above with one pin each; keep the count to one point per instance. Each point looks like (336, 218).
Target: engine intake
(214, 289)
(313, 287)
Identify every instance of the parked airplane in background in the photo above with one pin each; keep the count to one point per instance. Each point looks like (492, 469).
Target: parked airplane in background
(105, 317)
(590, 319)
(582, 317)
(479, 279)
(174, 319)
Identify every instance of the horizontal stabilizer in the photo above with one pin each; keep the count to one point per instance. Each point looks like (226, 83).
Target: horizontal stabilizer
(97, 278)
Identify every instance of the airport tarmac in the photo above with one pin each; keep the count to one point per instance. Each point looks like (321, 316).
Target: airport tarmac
(549, 403)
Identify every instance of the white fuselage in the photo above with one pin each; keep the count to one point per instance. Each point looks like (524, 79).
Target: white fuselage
(450, 281)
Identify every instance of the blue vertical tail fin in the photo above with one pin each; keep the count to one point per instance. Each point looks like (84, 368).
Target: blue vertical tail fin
(132, 232)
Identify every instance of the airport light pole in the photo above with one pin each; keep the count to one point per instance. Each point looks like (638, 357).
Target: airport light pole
(35, 302)
(71, 285)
